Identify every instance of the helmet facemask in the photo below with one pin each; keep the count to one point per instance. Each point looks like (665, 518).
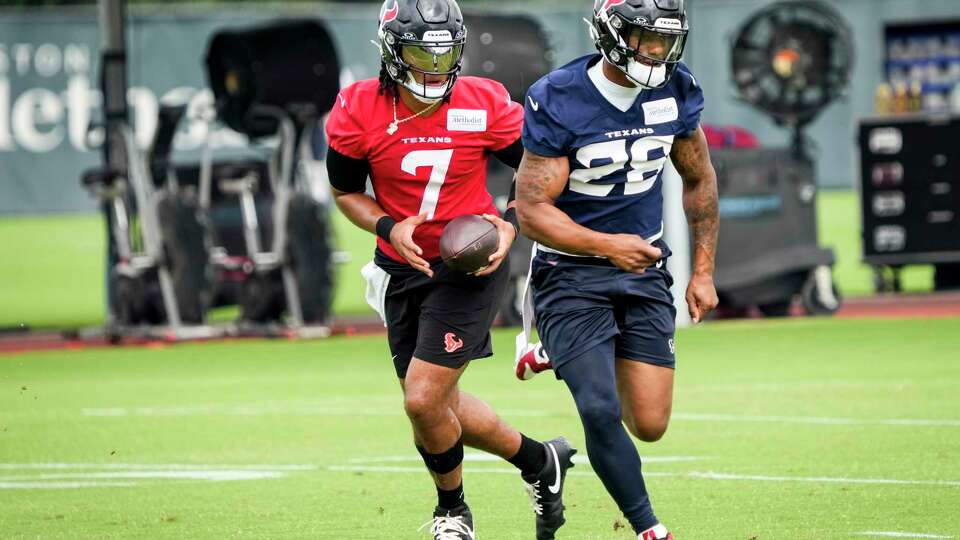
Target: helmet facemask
(427, 67)
(647, 54)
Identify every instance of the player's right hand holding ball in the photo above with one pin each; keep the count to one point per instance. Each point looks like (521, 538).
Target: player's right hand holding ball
(401, 238)
(631, 252)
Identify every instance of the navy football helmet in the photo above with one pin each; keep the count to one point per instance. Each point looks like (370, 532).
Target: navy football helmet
(642, 38)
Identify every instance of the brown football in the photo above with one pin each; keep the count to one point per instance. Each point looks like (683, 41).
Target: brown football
(467, 243)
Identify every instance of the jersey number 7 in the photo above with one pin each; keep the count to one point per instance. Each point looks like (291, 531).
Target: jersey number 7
(439, 161)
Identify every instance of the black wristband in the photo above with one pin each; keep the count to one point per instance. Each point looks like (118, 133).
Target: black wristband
(510, 216)
(384, 226)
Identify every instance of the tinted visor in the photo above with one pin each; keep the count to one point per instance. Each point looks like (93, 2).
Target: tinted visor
(440, 59)
(654, 45)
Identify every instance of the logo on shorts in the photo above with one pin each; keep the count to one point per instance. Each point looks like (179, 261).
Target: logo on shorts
(452, 342)
(673, 348)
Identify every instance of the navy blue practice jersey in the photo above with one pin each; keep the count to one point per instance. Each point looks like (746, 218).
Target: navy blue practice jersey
(616, 157)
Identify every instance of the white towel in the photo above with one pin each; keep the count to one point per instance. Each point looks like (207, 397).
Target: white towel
(377, 281)
(523, 343)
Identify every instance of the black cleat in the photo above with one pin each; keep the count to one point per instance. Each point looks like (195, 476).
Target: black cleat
(546, 487)
(453, 524)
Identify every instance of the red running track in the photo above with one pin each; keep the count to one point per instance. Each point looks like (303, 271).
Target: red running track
(889, 306)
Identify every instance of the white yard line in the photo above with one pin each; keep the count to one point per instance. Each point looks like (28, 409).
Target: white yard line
(819, 420)
(821, 479)
(265, 410)
(240, 410)
(309, 410)
(152, 467)
(62, 485)
(473, 457)
(421, 470)
(695, 474)
(211, 476)
(895, 534)
(84, 475)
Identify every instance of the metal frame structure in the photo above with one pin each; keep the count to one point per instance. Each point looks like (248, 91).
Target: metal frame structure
(120, 153)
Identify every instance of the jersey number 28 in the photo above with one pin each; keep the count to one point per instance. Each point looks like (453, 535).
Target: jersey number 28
(644, 159)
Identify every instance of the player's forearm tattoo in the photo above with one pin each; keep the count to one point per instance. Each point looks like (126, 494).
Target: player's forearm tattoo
(534, 178)
(540, 180)
(700, 200)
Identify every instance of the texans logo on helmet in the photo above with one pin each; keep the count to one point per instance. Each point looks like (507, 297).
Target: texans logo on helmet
(452, 343)
(611, 3)
(389, 14)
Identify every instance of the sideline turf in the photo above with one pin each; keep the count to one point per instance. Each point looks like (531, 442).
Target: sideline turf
(335, 403)
(51, 268)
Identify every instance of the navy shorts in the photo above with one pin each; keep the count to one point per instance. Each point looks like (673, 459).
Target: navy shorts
(582, 302)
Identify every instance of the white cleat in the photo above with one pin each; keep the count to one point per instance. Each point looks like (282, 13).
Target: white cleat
(532, 362)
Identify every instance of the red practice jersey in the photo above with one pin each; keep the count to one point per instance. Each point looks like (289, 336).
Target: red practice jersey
(435, 164)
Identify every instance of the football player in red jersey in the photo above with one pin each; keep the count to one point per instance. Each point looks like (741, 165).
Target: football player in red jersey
(423, 135)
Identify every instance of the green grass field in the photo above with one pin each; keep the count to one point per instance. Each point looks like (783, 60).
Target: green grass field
(51, 273)
(795, 429)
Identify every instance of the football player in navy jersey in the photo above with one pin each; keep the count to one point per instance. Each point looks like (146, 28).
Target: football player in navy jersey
(597, 133)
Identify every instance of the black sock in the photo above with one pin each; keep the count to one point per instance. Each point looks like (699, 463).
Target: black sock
(448, 500)
(531, 457)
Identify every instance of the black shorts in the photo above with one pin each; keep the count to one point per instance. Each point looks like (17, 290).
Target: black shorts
(444, 320)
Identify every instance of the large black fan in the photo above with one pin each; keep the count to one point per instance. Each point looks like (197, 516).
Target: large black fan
(512, 49)
(791, 59)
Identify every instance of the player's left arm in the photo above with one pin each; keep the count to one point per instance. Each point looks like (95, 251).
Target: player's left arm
(691, 157)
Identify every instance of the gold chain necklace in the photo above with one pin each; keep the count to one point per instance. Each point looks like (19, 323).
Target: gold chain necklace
(392, 128)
